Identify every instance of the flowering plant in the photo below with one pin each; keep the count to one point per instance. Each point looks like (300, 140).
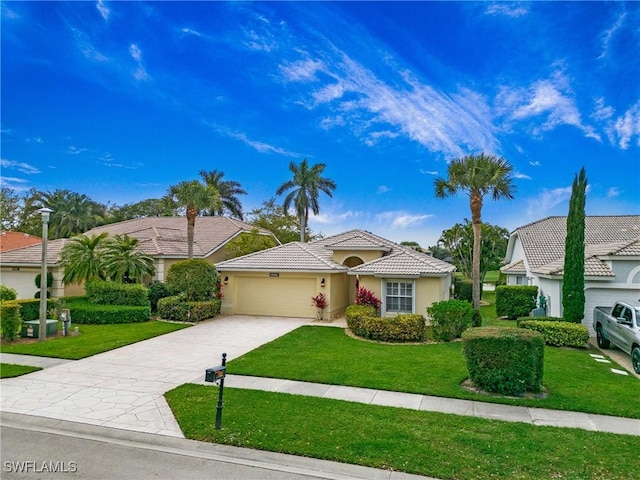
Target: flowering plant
(320, 301)
(367, 297)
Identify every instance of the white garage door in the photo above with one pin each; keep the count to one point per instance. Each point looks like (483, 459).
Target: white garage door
(23, 281)
(275, 296)
(606, 297)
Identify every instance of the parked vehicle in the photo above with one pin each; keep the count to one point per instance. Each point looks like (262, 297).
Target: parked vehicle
(619, 325)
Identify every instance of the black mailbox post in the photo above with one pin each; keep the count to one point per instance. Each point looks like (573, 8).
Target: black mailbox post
(215, 375)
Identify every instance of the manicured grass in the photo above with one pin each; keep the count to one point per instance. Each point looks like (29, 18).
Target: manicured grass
(425, 443)
(94, 339)
(9, 370)
(328, 355)
(492, 276)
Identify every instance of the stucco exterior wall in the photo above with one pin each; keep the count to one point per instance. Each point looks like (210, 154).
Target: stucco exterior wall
(338, 295)
(339, 256)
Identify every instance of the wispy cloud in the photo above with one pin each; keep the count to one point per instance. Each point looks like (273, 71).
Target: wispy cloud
(19, 166)
(73, 150)
(191, 31)
(549, 99)
(107, 160)
(547, 200)
(401, 219)
(521, 176)
(86, 47)
(16, 184)
(7, 13)
(140, 73)
(261, 147)
(508, 9)
(34, 140)
(302, 70)
(626, 127)
(609, 34)
(333, 218)
(103, 9)
(383, 189)
(613, 192)
(429, 172)
(534, 163)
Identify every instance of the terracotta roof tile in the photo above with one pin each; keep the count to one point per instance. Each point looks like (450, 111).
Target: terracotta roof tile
(13, 240)
(515, 267)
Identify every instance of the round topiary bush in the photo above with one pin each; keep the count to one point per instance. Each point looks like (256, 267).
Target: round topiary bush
(194, 279)
(504, 360)
(7, 293)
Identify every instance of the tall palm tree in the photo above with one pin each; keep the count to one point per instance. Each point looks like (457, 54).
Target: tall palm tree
(228, 190)
(194, 197)
(477, 175)
(80, 258)
(305, 186)
(73, 213)
(122, 260)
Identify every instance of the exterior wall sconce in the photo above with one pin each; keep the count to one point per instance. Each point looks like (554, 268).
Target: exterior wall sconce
(322, 283)
(226, 280)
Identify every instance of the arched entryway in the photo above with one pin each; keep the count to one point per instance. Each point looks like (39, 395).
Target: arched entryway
(351, 262)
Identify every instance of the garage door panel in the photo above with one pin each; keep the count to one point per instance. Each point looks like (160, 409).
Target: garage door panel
(606, 297)
(282, 297)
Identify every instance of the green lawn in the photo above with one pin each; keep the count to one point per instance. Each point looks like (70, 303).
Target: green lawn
(94, 339)
(425, 443)
(330, 356)
(9, 370)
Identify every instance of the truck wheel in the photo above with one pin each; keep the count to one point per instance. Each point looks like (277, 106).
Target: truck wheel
(635, 359)
(602, 342)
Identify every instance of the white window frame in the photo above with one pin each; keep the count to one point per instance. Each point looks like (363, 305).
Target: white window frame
(398, 281)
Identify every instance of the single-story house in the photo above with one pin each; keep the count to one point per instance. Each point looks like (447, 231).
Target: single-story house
(163, 238)
(13, 240)
(282, 280)
(535, 256)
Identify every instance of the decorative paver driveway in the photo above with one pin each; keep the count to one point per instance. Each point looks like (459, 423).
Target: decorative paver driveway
(124, 388)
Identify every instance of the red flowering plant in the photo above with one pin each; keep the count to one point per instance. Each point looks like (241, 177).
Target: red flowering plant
(367, 297)
(219, 294)
(320, 302)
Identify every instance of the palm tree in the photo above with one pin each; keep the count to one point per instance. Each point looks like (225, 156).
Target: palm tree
(228, 190)
(305, 186)
(122, 260)
(478, 175)
(80, 258)
(194, 197)
(73, 213)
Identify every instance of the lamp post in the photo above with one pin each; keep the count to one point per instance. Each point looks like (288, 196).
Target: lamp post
(42, 331)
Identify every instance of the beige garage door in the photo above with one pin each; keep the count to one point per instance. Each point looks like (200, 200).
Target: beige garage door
(275, 296)
(23, 281)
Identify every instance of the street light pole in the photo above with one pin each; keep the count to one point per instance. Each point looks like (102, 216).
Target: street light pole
(42, 331)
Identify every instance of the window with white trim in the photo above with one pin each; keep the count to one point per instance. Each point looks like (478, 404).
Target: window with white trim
(399, 296)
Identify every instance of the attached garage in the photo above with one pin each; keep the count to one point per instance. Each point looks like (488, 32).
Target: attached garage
(21, 279)
(606, 297)
(274, 296)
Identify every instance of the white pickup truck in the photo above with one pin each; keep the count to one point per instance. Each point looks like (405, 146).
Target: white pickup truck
(619, 325)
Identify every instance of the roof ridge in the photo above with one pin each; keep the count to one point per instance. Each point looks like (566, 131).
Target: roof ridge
(304, 246)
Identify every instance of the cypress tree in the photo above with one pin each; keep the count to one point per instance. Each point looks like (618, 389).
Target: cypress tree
(573, 281)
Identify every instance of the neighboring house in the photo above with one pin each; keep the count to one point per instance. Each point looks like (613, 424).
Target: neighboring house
(163, 238)
(280, 281)
(13, 240)
(535, 256)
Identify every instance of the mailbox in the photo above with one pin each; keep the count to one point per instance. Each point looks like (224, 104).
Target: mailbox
(215, 374)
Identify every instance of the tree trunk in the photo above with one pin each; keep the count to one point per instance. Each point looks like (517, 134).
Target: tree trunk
(303, 225)
(476, 223)
(191, 226)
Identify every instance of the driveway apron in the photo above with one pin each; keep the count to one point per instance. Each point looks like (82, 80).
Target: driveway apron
(124, 388)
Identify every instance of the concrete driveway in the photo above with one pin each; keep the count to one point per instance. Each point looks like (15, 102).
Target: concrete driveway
(124, 388)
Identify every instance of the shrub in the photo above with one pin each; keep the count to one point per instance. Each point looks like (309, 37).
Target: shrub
(401, 328)
(449, 318)
(355, 314)
(89, 313)
(177, 309)
(156, 291)
(367, 297)
(558, 333)
(463, 289)
(7, 293)
(195, 279)
(30, 308)
(10, 319)
(49, 279)
(102, 292)
(515, 301)
(503, 360)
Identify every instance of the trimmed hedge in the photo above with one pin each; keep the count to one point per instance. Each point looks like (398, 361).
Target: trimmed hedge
(196, 279)
(156, 291)
(89, 313)
(177, 309)
(541, 319)
(558, 333)
(30, 308)
(508, 361)
(10, 319)
(463, 289)
(7, 293)
(102, 292)
(363, 322)
(449, 318)
(513, 301)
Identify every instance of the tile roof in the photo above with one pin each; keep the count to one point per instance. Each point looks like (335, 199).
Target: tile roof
(159, 236)
(543, 242)
(13, 240)
(318, 257)
(515, 267)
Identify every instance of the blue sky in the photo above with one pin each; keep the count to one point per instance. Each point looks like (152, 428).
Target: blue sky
(119, 100)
